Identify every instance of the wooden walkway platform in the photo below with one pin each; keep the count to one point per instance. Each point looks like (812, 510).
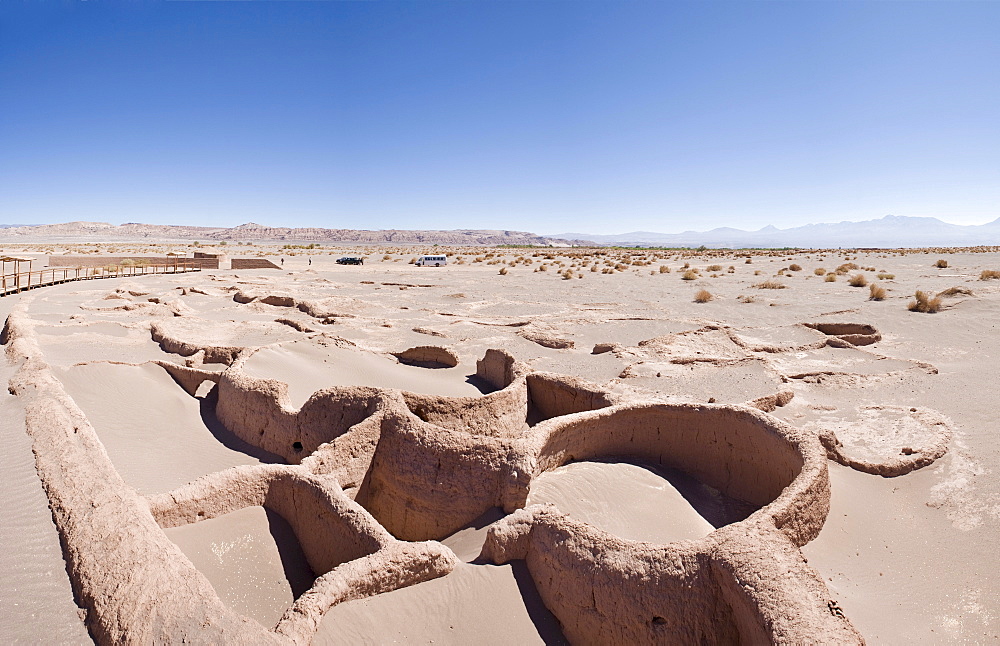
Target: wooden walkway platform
(17, 282)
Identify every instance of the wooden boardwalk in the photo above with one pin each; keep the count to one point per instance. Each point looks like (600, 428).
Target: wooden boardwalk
(19, 281)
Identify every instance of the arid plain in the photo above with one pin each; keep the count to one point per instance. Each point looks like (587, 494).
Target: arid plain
(179, 427)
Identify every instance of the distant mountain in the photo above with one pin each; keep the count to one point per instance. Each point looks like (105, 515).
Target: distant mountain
(888, 232)
(11, 226)
(133, 231)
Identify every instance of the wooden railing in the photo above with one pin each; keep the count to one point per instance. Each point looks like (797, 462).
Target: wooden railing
(17, 282)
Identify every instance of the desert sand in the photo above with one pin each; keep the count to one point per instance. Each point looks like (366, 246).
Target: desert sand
(491, 452)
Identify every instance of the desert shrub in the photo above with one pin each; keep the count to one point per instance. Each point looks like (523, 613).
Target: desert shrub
(941, 264)
(703, 296)
(770, 284)
(876, 293)
(594, 268)
(923, 302)
(503, 271)
(749, 261)
(885, 276)
(686, 265)
(713, 268)
(731, 270)
(987, 274)
(858, 280)
(746, 299)
(819, 271)
(664, 269)
(956, 291)
(794, 267)
(831, 278)
(690, 274)
(846, 267)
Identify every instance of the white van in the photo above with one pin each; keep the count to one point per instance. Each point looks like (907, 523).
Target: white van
(432, 261)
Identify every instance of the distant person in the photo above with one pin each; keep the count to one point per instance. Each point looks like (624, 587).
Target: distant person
(282, 262)
(310, 262)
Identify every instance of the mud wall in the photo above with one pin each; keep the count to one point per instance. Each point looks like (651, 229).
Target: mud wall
(252, 263)
(744, 583)
(580, 574)
(734, 450)
(328, 534)
(427, 482)
(554, 395)
(259, 412)
(503, 413)
(102, 261)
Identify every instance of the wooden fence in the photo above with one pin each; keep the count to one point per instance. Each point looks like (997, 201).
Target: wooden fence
(17, 282)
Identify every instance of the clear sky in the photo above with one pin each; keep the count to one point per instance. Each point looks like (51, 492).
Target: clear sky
(585, 116)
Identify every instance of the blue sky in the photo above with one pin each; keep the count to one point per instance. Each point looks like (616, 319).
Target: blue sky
(591, 116)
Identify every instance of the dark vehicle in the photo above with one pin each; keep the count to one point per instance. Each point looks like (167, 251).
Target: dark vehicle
(350, 260)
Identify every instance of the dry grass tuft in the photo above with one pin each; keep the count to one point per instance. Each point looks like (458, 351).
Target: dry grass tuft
(922, 302)
(794, 267)
(664, 269)
(747, 298)
(858, 280)
(831, 278)
(819, 271)
(713, 268)
(876, 293)
(690, 274)
(885, 276)
(941, 264)
(988, 274)
(703, 296)
(503, 271)
(956, 291)
(770, 284)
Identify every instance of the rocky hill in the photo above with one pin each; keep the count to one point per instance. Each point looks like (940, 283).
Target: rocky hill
(132, 231)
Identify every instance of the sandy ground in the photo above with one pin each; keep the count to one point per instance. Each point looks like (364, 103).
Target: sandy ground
(909, 559)
(251, 557)
(306, 368)
(36, 602)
